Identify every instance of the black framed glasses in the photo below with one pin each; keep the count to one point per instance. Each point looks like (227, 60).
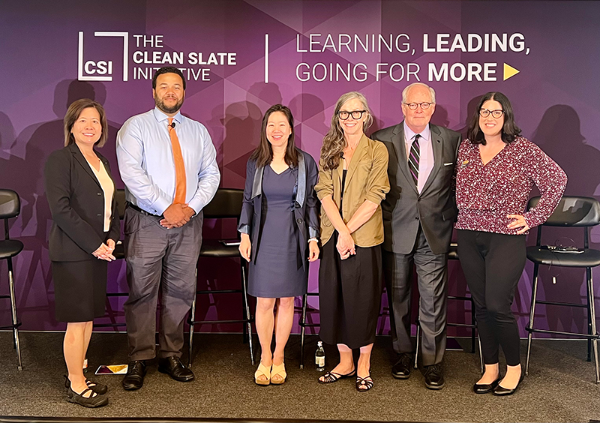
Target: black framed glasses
(496, 114)
(414, 106)
(356, 114)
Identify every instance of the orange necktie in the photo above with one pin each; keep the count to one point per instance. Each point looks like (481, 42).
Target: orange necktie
(179, 166)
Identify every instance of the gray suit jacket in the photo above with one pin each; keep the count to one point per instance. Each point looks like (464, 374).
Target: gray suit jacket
(434, 208)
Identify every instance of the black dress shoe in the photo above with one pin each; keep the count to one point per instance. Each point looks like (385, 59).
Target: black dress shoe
(485, 388)
(134, 379)
(402, 368)
(434, 377)
(175, 368)
(501, 391)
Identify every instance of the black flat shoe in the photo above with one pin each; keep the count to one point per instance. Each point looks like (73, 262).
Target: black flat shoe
(93, 401)
(98, 388)
(176, 369)
(485, 388)
(501, 391)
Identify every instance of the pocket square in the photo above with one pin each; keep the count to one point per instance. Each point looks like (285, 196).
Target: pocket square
(448, 164)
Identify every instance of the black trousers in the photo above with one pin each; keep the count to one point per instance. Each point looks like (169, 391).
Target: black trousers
(493, 264)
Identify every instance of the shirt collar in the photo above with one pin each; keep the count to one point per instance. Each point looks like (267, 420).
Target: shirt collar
(409, 134)
(161, 116)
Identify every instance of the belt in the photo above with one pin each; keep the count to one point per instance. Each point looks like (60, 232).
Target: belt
(144, 212)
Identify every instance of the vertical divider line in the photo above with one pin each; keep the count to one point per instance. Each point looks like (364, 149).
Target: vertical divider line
(266, 58)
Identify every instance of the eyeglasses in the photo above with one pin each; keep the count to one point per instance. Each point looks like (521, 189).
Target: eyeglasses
(496, 114)
(356, 114)
(413, 106)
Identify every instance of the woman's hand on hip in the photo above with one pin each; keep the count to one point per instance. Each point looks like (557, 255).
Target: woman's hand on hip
(518, 222)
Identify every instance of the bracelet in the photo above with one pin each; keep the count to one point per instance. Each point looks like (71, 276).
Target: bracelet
(313, 239)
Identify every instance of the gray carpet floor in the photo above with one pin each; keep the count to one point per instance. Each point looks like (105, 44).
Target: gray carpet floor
(560, 386)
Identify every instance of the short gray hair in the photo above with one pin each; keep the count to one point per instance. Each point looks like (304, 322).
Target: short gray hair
(405, 91)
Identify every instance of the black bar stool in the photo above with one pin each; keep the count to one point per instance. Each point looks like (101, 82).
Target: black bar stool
(582, 212)
(10, 206)
(227, 203)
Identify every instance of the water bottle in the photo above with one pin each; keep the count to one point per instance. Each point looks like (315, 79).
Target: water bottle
(320, 357)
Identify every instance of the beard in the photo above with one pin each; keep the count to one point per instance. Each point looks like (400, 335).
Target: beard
(169, 110)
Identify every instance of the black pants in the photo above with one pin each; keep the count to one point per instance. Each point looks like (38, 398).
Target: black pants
(493, 264)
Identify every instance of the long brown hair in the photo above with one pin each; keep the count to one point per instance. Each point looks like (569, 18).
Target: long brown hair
(264, 152)
(73, 113)
(335, 142)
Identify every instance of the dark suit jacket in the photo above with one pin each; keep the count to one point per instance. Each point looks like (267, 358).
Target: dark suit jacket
(76, 201)
(435, 207)
(306, 210)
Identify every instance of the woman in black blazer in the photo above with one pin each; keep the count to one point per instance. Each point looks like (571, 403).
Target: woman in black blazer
(279, 225)
(80, 192)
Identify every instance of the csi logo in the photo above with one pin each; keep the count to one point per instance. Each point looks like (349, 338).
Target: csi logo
(101, 70)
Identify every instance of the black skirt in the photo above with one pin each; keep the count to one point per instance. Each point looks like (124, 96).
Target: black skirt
(79, 289)
(349, 295)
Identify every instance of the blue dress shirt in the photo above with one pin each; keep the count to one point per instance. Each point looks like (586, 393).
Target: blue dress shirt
(146, 163)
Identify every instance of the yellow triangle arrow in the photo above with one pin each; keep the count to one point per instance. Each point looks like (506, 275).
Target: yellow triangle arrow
(509, 71)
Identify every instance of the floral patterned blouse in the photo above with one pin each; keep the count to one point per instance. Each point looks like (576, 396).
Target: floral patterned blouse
(486, 194)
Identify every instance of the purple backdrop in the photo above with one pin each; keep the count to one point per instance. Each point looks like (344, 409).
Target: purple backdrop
(243, 56)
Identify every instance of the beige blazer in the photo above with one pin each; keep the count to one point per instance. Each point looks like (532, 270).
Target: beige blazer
(367, 179)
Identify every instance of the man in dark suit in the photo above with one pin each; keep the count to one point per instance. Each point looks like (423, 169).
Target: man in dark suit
(418, 215)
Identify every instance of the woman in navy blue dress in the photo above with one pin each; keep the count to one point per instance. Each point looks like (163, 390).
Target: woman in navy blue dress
(279, 226)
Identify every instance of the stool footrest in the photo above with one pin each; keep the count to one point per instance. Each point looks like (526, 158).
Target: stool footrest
(108, 325)
(220, 291)
(201, 322)
(579, 335)
(558, 303)
(462, 325)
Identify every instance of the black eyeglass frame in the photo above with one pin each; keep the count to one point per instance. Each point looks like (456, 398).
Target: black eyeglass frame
(414, 106)
(496, 114)
(352, 113)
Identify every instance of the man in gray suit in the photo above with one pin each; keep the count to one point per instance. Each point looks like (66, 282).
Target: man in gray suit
(418, 216)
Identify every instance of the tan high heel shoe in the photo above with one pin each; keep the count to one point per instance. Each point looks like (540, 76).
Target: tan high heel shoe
(278, 370)
(262, 371)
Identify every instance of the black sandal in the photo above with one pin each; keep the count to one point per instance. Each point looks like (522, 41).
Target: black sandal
(98, 388)
(93, 401)
(367, 382)
(331, 377)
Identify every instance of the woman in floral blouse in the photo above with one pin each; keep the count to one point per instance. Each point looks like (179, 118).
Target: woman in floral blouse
(495, 172)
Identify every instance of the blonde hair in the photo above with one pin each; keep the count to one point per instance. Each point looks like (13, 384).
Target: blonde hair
(335, 142)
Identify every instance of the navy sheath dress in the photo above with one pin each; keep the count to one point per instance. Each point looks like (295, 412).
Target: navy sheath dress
(276, 272)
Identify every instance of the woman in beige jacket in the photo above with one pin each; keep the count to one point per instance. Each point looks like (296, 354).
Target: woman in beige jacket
(352, 182)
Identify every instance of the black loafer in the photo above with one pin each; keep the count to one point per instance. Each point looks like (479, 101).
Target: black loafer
(434, 378)
(402, 368)
(485, 388)
(175, 368)
(134, 379)
(501, 391)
